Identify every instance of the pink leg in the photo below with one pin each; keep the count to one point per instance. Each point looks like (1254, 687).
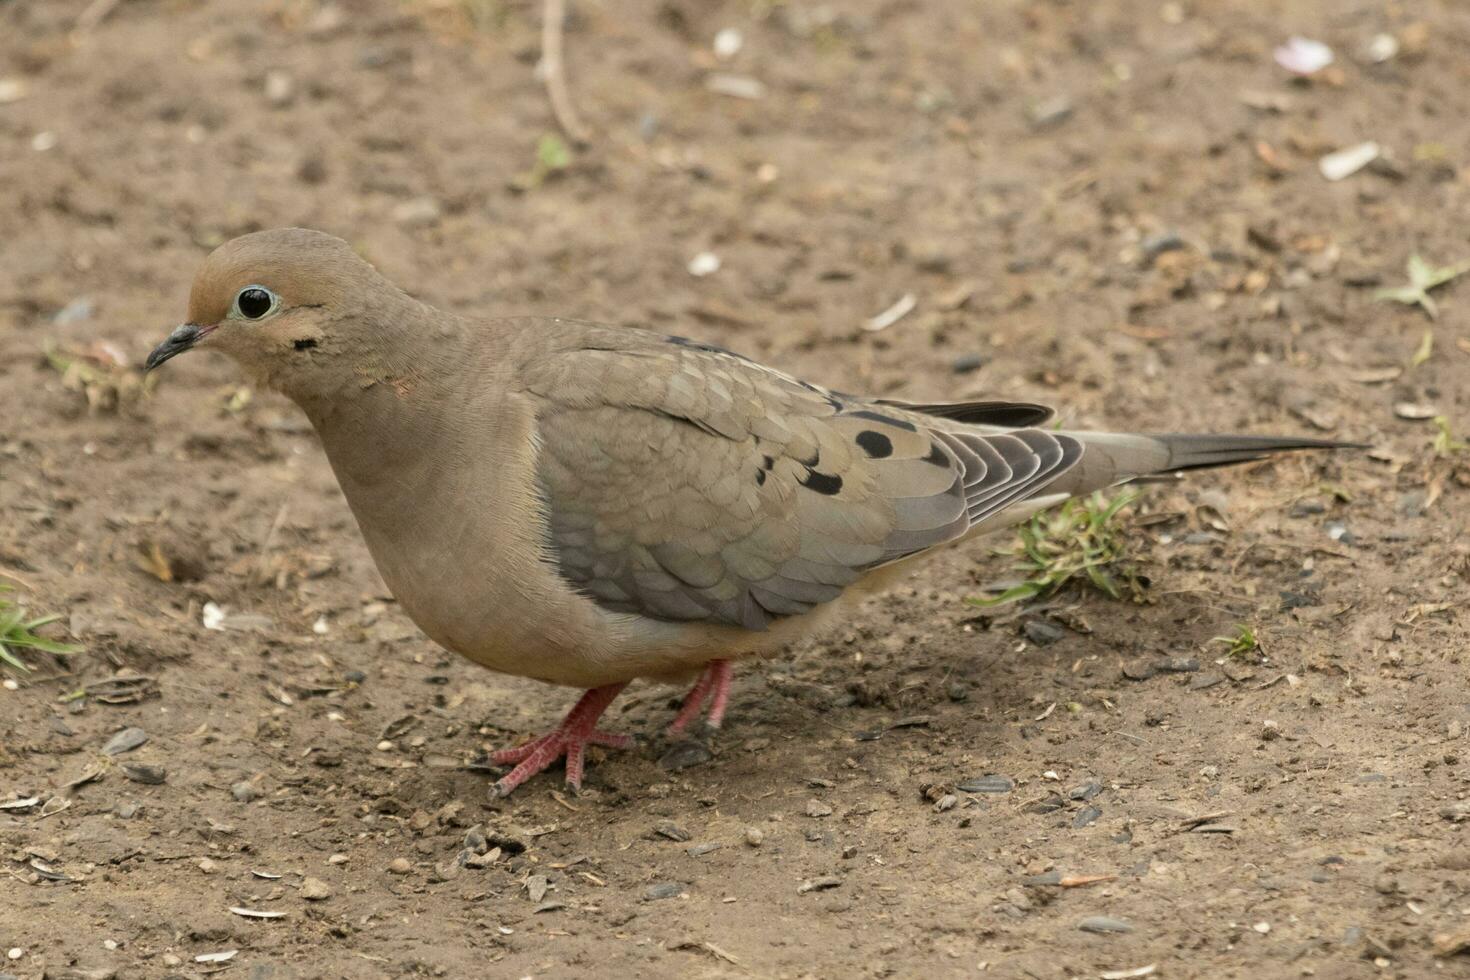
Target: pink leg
(716, 679)
(571, 738)
(723, 672)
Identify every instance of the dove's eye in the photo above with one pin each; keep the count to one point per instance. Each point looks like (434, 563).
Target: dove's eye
(254, 302)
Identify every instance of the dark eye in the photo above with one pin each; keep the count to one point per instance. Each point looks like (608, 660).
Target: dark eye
(254, 302)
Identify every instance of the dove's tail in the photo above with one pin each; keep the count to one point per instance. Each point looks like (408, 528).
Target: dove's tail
(1111, 458)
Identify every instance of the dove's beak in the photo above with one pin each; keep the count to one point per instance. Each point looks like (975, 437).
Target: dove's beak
(183, 337)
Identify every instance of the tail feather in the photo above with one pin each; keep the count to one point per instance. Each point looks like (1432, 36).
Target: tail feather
(1196, 452)
(1111, 458)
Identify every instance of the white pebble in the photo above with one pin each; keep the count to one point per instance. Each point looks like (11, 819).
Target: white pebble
(1382, 48)
(728, 43)
(385, 746)
(1303, 56)
(704, 264)
(1262, 927)
(16, 953)
(278, 88)
(214, 617)
(14, 89)
(43, 141)
(320, 626)
(1345, 163)
(736, 86)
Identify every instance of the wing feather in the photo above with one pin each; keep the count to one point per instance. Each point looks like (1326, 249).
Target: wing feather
(685, 483)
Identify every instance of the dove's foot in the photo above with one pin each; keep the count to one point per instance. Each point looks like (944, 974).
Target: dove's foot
(571, 738)
(713, 685)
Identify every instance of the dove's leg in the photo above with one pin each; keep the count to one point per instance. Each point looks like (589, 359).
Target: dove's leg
(571, 738)
(714, 685)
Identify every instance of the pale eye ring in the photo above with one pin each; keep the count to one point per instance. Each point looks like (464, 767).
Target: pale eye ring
(255, 302)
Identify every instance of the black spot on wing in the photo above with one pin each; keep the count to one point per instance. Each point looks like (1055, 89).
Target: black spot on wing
(875, 444)
(885, 419)
(760, 478)
(824, 483)
(1009, 414)
(937, 455)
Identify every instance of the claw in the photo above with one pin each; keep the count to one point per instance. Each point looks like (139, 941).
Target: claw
(571, 738)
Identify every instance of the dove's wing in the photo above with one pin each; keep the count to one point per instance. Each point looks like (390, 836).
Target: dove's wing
(682, 482)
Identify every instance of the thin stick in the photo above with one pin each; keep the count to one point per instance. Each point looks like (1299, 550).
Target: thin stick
(94, 15)
(553, 16)
(6, 573)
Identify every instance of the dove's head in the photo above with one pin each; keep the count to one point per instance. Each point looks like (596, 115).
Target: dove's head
(295, 308)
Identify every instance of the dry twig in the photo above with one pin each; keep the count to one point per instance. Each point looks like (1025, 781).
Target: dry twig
(553, 17)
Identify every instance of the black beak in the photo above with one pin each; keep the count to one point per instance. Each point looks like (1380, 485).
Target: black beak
(183, 337)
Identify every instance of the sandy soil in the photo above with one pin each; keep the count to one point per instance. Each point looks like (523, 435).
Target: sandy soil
(1113, 206)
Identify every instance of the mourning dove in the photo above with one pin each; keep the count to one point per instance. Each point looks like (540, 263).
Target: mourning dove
(586, 504)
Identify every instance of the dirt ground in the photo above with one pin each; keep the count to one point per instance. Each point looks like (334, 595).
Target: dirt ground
(1112, 206)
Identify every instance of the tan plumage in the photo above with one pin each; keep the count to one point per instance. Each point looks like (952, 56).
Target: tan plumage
(587, 504)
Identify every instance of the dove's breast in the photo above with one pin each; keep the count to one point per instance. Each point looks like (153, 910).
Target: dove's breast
(457, 529)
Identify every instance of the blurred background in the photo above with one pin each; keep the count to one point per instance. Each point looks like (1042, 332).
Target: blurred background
(1226, 215)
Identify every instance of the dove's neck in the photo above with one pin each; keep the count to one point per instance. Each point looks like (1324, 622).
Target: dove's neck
(403, 396)
(435, 460)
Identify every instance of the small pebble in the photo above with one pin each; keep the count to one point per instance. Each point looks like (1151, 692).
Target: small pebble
(417, 213)
(816, 808)
(704, 264)
(818, 885)
(399, 866)
(1156, 245)
(967, 363)
(1139, 670)
(1051, 112)
(754, 836)
(146, 774)
(125, 741)
(1041, 632)
(314, 889)
(244, 791)
(685, 755)
(668, 889)
(1103, 924)
(671, 830)
(1085, 791)
(279, 88)
(1178, 665)
(169, 959)
(728, 43)
(987, 784)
